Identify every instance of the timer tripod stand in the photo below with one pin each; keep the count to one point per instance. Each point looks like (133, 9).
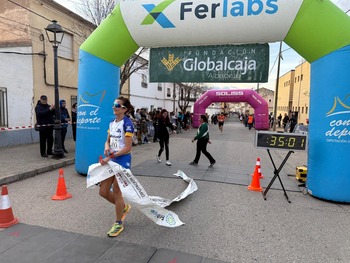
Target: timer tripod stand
(276, 174)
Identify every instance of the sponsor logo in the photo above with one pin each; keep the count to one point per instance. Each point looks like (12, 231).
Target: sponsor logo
(210, 65)
(220, 9)
(170, 219)
(157, 215)
(202, 100)
(155, 13)
(339, 126)
(170, 63)
(229, 93)
(345, 108)
(88, 116)
(228, 8)
(256, 99)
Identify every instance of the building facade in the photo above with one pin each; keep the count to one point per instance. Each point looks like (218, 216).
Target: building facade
(301, 93)
(294, 93)
(27, 61)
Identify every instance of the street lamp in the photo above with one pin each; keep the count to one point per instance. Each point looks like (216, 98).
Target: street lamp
(55, 35)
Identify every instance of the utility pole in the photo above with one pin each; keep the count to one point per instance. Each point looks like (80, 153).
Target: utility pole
(276, 90)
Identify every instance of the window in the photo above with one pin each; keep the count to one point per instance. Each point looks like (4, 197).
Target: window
(301, 77)
(65, 49)
(144, 81)
(3, 107)
(160, 88)
(168, 93)
(306, 109)
(302, 109)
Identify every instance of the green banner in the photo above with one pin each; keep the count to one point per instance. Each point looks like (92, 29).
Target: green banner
(229, 63)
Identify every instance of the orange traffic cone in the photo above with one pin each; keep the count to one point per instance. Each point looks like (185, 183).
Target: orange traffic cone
(61, 192)
(6, 215)
(258, 168)
(255, 184)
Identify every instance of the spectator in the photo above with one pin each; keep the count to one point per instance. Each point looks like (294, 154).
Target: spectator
(144, 130)
(293, 122)
(279, 119)
(45, 120)
(285, 120)
(65, 118)
(163, 135)
(74, 121)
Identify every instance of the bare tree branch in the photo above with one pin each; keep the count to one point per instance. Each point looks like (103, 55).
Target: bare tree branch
(189, 92)
(96, 11)
(130, 66)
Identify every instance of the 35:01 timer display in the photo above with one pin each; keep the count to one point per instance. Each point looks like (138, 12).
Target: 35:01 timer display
(287, 141)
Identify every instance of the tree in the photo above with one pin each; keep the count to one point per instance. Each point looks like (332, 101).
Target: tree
(132, 65)
(189, 92)
(96, 11)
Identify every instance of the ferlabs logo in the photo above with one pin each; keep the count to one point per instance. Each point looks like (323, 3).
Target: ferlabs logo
(202, 11)
(155, 14)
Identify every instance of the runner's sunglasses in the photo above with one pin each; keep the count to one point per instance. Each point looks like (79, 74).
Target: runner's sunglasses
(118, 105)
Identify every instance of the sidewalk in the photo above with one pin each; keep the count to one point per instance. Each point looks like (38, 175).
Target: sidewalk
(24, 161)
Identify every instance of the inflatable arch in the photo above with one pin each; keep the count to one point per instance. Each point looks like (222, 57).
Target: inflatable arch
(318, 30)
(261, 108)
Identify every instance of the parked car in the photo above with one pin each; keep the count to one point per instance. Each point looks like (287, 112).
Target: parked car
(301, 128)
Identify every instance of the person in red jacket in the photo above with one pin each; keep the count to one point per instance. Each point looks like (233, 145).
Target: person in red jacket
(221, 119)
(250, 121)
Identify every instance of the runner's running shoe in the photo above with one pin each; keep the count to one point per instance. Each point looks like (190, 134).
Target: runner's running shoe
(125, 211)
(158, 159)
(115, 230)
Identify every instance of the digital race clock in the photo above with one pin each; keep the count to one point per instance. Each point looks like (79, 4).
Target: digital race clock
(278, 140)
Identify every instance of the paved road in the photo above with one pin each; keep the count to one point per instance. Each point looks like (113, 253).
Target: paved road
(223, 221)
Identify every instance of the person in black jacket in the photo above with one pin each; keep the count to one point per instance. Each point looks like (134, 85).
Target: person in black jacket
(285, 120)
(65, 118)
(163, 135)
(74, 121)
(293, 122)
(45, 119)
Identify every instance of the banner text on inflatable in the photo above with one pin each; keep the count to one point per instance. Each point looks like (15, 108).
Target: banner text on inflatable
(254, 7)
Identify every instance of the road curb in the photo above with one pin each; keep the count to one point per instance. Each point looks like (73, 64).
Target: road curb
(11, 178)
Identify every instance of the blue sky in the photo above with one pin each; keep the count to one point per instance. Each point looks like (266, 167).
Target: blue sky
(290, 58)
